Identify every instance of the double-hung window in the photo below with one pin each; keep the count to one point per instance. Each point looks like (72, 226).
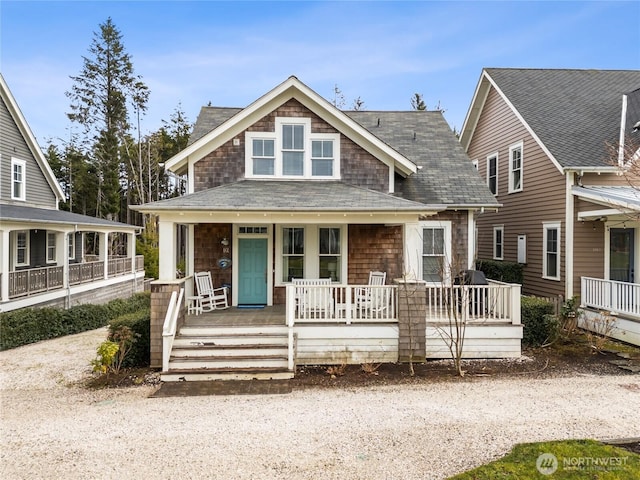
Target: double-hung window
(329, 250)
(292, 253)
(436, 243)
(263, 156)
(51, 247)
(72, 246)
(498, 242)
(21, 258)
(551, 257)
(492, 173)
(18, 183)
(515, 168)
(292, 151)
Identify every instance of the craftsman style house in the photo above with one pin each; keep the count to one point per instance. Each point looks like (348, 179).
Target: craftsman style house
(292, 189)
(42, 256)
(549, 144)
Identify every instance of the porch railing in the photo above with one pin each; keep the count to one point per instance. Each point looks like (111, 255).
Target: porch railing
(170, 326)
(621, 298)
(494, 303)
(342, 303)
(35, 280)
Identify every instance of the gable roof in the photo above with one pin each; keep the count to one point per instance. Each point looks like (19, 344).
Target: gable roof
(285, 196)
(573, 114)
(292, 88)
(445, 174)
(30, 139)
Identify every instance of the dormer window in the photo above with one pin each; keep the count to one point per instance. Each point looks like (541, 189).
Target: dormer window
(292, 152)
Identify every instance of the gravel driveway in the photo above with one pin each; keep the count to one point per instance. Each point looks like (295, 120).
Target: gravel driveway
(53, 429)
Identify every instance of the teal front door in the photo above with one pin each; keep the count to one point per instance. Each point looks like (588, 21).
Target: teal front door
(252, 271)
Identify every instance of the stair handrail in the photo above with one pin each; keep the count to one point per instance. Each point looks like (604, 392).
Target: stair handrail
(169, 327)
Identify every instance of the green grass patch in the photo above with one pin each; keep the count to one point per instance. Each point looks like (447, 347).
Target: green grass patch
(563, 460)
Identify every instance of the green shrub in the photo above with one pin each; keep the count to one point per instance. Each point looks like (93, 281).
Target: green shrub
(508, 272)
(30, 325)
(540, 325)
(140, 324)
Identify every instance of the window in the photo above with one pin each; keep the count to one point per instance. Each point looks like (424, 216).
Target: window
(492, 173)
(263, 156)
(72, 246)
(322, 158)
(551, 258)
(515, 168)
(498, 242)
(22, 248)
(18, 172)
(292, 253)
(329, 248)
(51, 247)
(292, 151)
(436, 241)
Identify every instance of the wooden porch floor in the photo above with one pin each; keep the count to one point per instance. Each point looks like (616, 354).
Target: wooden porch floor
(239, 317)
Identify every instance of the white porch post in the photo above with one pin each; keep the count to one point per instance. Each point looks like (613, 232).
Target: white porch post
(62, 256)
(568, 236)
(131, 250)
(167, 247)
(103, 238)
(4, 265)
(471, 240)
(412, 249)
(190, 265)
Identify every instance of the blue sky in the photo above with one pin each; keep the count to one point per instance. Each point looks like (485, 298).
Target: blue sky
(191, 53)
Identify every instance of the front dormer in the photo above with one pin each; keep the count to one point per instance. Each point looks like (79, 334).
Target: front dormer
(293, 151)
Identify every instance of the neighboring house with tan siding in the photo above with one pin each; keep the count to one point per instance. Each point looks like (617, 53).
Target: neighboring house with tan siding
(291, 187)
(541, 139)
(42, 255)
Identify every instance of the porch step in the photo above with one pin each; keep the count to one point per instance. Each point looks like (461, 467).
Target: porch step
(229, 353)
(212, 374)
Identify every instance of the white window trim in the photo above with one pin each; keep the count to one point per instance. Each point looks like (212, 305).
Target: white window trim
(71, 246)
(277, 137)
(498, 228)
(27, 252)
(494, 155)
(311, 251)
(48, 245)
(512, 148)
(545, 227)
(446, 225)
(23, 190)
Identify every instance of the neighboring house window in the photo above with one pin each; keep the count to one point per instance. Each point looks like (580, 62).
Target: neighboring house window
(515, 168)
(436, 241)
(22, 248)
(492, 173)
(51, 247)
(72, 246)
(329, 248)
(498, 242)
(551, 254)
(292, 151)
(292, 253)
(263, 156)
(18, 181)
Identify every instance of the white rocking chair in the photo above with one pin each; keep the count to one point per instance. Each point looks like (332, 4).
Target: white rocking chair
(210, 298)
(371, 299)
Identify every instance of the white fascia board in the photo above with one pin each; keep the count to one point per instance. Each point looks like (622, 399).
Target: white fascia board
(598, 199)
(596, 214)
(30, 139)
(291, 88)
(473, 114)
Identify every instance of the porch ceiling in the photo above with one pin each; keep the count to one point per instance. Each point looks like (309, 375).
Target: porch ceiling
(289, 196)
(622, 199)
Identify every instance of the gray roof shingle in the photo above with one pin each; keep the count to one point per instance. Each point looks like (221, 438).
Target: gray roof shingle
(575, 113)
(9, 212)
(303, 196)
